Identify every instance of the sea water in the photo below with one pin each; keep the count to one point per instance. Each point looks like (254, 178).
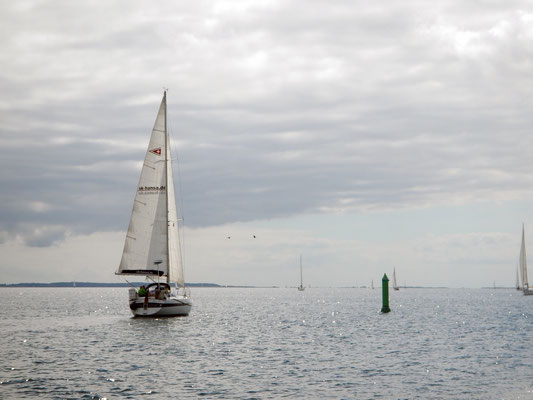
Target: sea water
(82, 343)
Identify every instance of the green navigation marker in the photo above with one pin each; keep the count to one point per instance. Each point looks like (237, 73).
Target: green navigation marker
(385, 294)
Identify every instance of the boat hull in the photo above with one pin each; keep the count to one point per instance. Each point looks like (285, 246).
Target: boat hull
(528, 291)
(171, 307)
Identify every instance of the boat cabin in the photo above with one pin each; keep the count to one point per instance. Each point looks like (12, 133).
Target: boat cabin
(156, 290)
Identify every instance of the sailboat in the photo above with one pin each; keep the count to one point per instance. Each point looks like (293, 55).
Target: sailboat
(301, 287)
(523, 266)
(372, 284)
(151, 247)
(394, 284)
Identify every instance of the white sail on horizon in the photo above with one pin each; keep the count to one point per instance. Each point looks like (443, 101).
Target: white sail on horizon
(523, 262)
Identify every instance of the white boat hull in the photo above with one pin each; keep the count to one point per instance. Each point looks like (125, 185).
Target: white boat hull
(528, 291)
(173, 306)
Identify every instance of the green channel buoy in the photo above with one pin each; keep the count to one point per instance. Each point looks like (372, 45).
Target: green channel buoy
(385, 294)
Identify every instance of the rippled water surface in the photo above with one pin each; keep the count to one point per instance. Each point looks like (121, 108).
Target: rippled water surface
(81, 343)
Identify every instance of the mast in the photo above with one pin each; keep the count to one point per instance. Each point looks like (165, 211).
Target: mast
(301, 276)
(166, 187)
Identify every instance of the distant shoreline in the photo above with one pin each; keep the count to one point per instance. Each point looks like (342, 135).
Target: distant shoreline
(94, 284)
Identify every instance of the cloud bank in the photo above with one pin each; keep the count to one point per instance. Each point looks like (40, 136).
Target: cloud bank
(277, 109)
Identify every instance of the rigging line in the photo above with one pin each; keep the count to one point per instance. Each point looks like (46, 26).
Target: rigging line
(131, 284)
(181, 207)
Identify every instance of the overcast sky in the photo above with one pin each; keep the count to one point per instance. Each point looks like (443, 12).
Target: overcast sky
(362, 135)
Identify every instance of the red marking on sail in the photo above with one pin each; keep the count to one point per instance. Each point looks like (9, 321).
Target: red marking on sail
(156, 151)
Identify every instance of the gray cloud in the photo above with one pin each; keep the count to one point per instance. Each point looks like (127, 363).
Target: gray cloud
(277, 109)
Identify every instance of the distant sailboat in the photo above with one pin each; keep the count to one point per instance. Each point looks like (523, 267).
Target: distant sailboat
(151, 247)
(394, 284)
(372, 284)
(523, 266)
(301, 287)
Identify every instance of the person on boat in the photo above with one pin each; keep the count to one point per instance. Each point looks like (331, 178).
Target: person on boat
(142, 291)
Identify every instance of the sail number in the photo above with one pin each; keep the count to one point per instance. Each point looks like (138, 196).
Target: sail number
(151, 189)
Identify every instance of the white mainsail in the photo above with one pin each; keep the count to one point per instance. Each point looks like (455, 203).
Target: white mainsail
(523, 262)
(394, 284)
(152, 242)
